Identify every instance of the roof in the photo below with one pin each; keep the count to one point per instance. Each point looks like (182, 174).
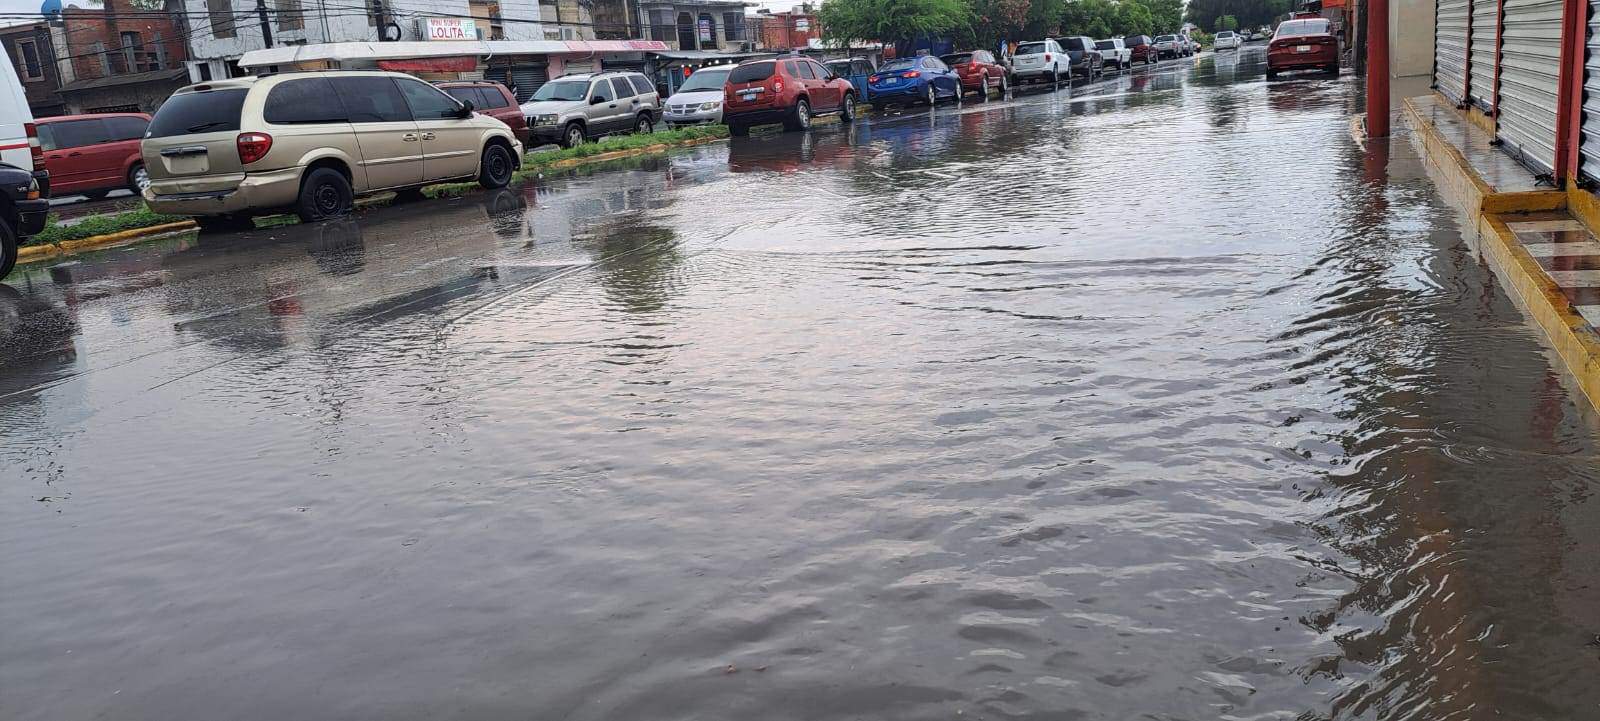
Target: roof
(129, 79)
(344, 52)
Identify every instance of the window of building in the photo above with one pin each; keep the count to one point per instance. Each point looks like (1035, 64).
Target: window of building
(205, 71)
(289, 15)
(486, 15)
(733, 26)
(28, 60)
(98, 49)
(221, 13)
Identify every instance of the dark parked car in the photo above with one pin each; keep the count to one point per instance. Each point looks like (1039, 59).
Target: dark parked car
(979, 72)
(94, 154)
(788, 90)
(494, 100)
(1297, 45)
(22, 210)
(1143, 47)
(1084, 58)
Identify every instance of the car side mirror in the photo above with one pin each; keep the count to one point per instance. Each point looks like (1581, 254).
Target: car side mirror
(466, 109)
(596, 100)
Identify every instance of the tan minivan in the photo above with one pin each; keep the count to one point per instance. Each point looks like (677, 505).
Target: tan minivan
(310, 142)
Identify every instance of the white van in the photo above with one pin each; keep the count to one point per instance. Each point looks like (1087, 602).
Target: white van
(19, 142)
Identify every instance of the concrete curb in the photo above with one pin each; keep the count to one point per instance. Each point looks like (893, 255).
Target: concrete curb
(34, 253)
(1574, 342)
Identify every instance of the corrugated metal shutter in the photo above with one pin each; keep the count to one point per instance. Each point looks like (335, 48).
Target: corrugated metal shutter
(523, 79)
(1589, 139)
(1450, 49)
(1529, 60)
(1485, 29)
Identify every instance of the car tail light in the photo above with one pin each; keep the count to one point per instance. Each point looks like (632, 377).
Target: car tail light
(777, 85)
(253, 147)
(911, 74)
(872, 78)
(1047, 57)
(35, 150)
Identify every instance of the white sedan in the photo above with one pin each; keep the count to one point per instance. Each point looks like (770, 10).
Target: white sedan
(1227, 40)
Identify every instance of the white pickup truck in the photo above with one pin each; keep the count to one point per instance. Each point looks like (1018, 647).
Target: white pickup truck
(1114, 54)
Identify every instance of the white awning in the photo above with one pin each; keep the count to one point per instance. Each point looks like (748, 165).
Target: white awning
(374, 51)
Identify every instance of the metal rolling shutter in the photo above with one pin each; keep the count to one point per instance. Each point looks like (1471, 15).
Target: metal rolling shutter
(1529, 60)
(527, 79)
(1589, 139)
(1450, 49)
(1485, 28)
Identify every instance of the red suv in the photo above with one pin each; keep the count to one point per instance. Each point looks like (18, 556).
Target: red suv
(494, 100)
(787, 90)
(1298, 44)
(94, 154)
(1143, 47)
(979, 72)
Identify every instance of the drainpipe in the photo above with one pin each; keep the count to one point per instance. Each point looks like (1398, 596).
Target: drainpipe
(1377, 68)
(1569, 89)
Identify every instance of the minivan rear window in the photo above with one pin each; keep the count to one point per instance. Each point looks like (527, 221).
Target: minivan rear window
(205, 111)
(1030, 49)
(307, 100)
(752, 73)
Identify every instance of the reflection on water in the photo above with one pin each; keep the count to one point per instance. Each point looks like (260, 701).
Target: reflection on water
(1094, 404)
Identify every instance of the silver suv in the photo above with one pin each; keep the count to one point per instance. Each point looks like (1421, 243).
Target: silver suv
(575, 108)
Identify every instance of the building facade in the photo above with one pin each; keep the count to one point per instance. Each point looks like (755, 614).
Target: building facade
(717, 25)
(117, 63)
(33, 54)
(792, 30)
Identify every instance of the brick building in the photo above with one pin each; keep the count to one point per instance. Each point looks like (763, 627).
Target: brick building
(32, 53)
(792, 30)
(131, 61)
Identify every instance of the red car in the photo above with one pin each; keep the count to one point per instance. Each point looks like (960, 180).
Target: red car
(1143, 47)
(789, 90)
(979, 72)
(1303, 43)
(494, 100)
(94, 154)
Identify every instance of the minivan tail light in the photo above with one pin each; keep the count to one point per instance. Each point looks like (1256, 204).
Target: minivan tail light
(35, 150)
(253, 147)
(1047, 57)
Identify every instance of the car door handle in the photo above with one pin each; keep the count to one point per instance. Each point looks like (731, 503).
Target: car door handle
(427, 136)
(74, 154)
(612, 105)
(408, 137)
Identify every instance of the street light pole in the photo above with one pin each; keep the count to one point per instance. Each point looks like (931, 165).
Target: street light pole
(1377, 68)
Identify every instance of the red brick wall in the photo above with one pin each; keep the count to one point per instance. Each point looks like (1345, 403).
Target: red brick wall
(84, 28)
(778, 30)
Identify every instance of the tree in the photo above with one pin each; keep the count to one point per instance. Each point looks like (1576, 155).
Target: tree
(1225, 22)
(1166, 16)
(1134, 19)
(896, 22)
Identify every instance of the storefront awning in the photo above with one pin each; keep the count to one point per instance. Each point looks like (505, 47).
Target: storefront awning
(431, 65)
(409, 49)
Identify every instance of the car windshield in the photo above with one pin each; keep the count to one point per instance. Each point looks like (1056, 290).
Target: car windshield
(1030, 49)
(894, 65)
(1166, 38)
(956, 59)
(1105, 45)
(1293, 28)
(1225, 34)
(754, 72)
(563, 90)
(707, 79)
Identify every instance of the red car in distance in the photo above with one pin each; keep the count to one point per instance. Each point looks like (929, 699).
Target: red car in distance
(494, 100)
(979, 72)
(94, 154)
(790, 90)
(1301, 44)
(1143, 47)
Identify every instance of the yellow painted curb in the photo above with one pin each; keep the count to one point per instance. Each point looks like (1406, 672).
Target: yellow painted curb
(33, 253)
(1574, 342)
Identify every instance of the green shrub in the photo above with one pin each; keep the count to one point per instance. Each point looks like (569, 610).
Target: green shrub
(94, 225)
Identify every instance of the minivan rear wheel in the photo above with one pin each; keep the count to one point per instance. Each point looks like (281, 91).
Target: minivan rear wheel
(495, 167)
(324, 194)
(138, 179)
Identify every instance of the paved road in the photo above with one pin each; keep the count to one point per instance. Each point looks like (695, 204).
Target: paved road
(1159, 398)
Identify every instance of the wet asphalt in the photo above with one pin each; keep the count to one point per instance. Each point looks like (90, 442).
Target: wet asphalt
(1162, 397)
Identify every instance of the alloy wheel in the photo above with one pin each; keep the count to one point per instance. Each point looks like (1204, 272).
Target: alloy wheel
(141, 178)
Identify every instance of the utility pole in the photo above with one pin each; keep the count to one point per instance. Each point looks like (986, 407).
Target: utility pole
(266, 27)
(383, 20)
(1377, 68)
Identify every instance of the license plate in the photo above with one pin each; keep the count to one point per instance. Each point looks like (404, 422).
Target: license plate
(892, 81)
(1302, 48)
(747, 97)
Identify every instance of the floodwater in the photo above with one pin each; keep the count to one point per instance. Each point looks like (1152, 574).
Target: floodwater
(1157, 399)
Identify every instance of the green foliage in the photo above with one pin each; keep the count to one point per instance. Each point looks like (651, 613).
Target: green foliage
(896, 22)
(1246, 13)
(1202, 37)
(1226, 22)
(94, 225)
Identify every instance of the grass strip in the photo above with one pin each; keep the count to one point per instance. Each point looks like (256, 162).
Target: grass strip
(94, 225)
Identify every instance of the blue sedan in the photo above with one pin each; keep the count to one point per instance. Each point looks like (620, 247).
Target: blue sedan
(920, 79)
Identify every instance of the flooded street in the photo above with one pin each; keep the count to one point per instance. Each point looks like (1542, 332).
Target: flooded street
(1157, 399)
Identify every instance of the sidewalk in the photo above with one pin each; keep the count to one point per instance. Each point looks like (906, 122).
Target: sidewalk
(1540, 241)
